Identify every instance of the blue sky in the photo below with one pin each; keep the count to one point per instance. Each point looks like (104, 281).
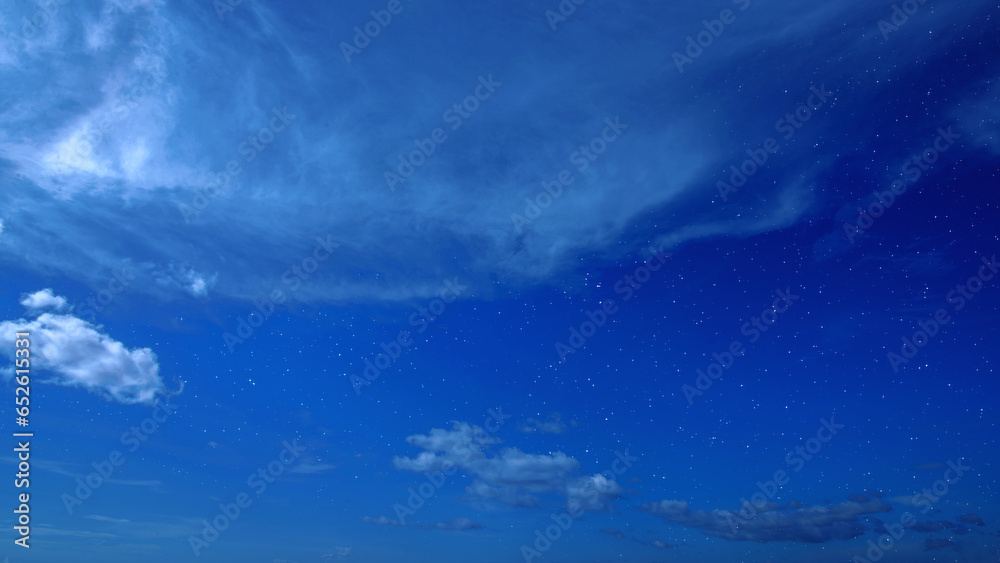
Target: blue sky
(419, 281)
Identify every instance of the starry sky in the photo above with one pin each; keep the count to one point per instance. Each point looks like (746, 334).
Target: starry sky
(578, 281)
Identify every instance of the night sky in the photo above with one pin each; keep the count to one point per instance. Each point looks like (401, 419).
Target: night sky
(578, 281)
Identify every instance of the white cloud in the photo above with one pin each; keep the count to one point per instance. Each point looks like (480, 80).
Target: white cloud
(551, 425)
(161, 146)
(76, 353)
(133, 158)
(338, 554)
(190, 280)
(43, 300)
(511, 476)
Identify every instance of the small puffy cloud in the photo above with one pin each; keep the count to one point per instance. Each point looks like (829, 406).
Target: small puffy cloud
(510, 476)
(592, 493)
(551, 425)
(459, 524)
(43, 300)
(461, 434)
(931, 544)
(339, 553)
(186, 278)
(513, 467)
(971, 518)
(76, 353)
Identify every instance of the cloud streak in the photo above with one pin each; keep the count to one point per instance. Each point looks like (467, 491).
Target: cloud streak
(111, 150)
(458, 524)
(773, 523)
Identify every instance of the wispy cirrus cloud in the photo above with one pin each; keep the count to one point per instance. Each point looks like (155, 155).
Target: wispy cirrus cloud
(455, 524)
(111, 149)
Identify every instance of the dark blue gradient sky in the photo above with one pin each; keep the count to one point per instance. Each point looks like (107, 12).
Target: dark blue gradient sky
(495, 282)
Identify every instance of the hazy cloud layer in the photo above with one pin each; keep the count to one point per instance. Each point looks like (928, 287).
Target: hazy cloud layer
(122, 148)
(812, 524)
(455, 524)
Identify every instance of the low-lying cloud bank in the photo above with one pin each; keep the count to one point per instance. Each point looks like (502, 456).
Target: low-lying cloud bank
(793, 522)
